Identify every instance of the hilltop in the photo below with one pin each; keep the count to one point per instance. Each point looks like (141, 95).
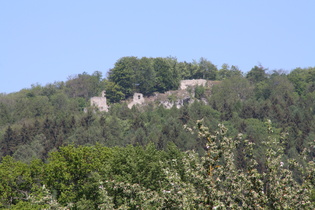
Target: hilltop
(188, 92)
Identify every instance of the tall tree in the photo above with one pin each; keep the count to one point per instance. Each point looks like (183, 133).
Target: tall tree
(114, 92)
(124, 74)
(85, 85)
(146, 76)
(206, 70)
(257, 74)
(166, 76)
(226, 72)
(302, 79)
(4, 114)
(184, 70)
(9, 142)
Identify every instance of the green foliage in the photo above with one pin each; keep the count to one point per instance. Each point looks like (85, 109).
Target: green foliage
(28, 152)
(124, 74)
(228, 96)
(232, 188)
(135, 177)
(114, 92)
(68, 171)
(18, 180)
(206, 70)
(85, 85)
(166, 75)
(159, 170)
(4, 114)
(199, 92)
(256, 74)
(148, 75)
(227, 72)
(302, 79)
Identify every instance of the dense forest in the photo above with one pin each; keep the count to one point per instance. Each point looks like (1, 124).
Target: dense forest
(249, 143)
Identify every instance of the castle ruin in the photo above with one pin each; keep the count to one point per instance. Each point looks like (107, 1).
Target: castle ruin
(100, 102)
(137, 99)
(168, 99)
(184, 84)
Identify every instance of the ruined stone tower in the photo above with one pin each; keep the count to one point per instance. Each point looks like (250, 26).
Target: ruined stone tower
(100, 102)
(137, 99)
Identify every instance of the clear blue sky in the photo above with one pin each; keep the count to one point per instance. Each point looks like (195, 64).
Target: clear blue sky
(47, 41)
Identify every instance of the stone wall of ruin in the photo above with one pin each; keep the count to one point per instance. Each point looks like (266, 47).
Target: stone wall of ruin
(184, 84)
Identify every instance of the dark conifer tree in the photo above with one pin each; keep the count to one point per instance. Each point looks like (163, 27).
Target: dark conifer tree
(9, 142)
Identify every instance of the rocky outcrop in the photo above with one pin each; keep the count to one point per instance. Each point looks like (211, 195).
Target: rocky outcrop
(176, 98)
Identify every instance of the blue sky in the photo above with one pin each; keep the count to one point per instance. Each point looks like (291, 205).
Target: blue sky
(47, 41)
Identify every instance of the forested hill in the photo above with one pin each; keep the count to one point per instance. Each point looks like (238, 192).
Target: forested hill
(50, 116)
(36, 121)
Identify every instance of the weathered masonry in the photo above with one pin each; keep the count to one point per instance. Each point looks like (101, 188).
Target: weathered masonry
(168, 99)
(184, 84)
(137, 99)
(100, 102)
